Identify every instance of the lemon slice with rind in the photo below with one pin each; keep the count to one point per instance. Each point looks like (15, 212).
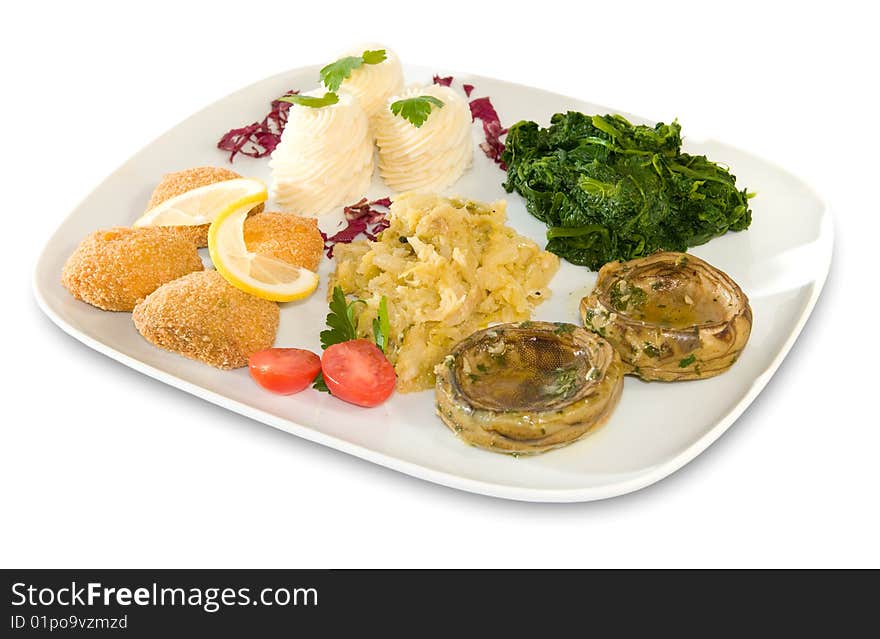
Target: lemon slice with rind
(202, 205)
(250, 272)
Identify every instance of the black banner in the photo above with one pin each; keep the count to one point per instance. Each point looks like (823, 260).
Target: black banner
(246, 603)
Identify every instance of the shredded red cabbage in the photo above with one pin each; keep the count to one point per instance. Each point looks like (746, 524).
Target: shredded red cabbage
(445, 82)
(468, 88)
(365, 210)
(493, 147)
(481, 108)
(373, 233)
(259, 139)
(360, 217)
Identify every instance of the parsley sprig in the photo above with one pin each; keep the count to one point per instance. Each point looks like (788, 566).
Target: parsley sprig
(335, 73)
(417, 109)
(340, 320)
(342, 326)
(310, 100)
(382, 326)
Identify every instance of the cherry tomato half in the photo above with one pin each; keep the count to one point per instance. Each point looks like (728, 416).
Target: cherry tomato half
(284, 370)
(358, 372)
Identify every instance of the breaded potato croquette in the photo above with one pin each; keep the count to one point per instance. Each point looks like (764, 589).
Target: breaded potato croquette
(174, 184)
(116, 268)
(286, 237)
(204, 317)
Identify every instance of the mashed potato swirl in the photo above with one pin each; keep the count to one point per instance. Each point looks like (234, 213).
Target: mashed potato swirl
(431, 157)
(371, 84)
(447, 267)
(325, 157)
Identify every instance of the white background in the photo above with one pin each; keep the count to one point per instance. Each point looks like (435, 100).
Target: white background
(101, 466)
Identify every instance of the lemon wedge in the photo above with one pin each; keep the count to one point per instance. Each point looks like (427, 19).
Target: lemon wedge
(253, 273)
(204, 204)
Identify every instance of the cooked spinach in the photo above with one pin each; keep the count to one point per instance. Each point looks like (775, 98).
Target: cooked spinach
(610, 190)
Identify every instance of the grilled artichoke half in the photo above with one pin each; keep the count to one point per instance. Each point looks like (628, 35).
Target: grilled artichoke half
(528, 387)
(670, 316)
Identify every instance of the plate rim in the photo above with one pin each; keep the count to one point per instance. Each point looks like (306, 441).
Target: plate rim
(639, 480)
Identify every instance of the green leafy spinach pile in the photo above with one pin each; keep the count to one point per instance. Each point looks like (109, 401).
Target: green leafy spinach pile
(613, 191)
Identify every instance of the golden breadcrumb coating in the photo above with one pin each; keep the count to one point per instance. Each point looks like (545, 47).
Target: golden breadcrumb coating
(174, 184)
(204, 317)
(116, 268)
(287, 237)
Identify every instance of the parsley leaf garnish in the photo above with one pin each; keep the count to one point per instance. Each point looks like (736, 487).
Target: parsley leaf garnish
(311, 101)
(335, 73)
(340, 320)
(342, 326)
(382, 326)
(374, 57)
(319, 384)
(417, 109)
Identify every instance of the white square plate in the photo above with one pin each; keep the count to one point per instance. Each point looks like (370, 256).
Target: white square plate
(780, 262)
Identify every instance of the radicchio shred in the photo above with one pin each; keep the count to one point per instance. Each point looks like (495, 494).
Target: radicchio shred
(361, 218)
(482, 109)
(259, 139)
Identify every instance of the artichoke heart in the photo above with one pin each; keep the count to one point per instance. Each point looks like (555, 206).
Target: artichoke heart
(528, 387)
(670, 316)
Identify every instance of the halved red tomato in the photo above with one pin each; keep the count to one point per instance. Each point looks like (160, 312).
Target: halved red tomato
(284, 370)
(358, 372)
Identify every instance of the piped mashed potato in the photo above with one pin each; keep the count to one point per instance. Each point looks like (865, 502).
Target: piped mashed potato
(371, 84)
(447, 267)
(325, 157)
(433, 156)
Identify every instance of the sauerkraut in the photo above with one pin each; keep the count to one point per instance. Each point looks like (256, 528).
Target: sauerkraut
(447, 267)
